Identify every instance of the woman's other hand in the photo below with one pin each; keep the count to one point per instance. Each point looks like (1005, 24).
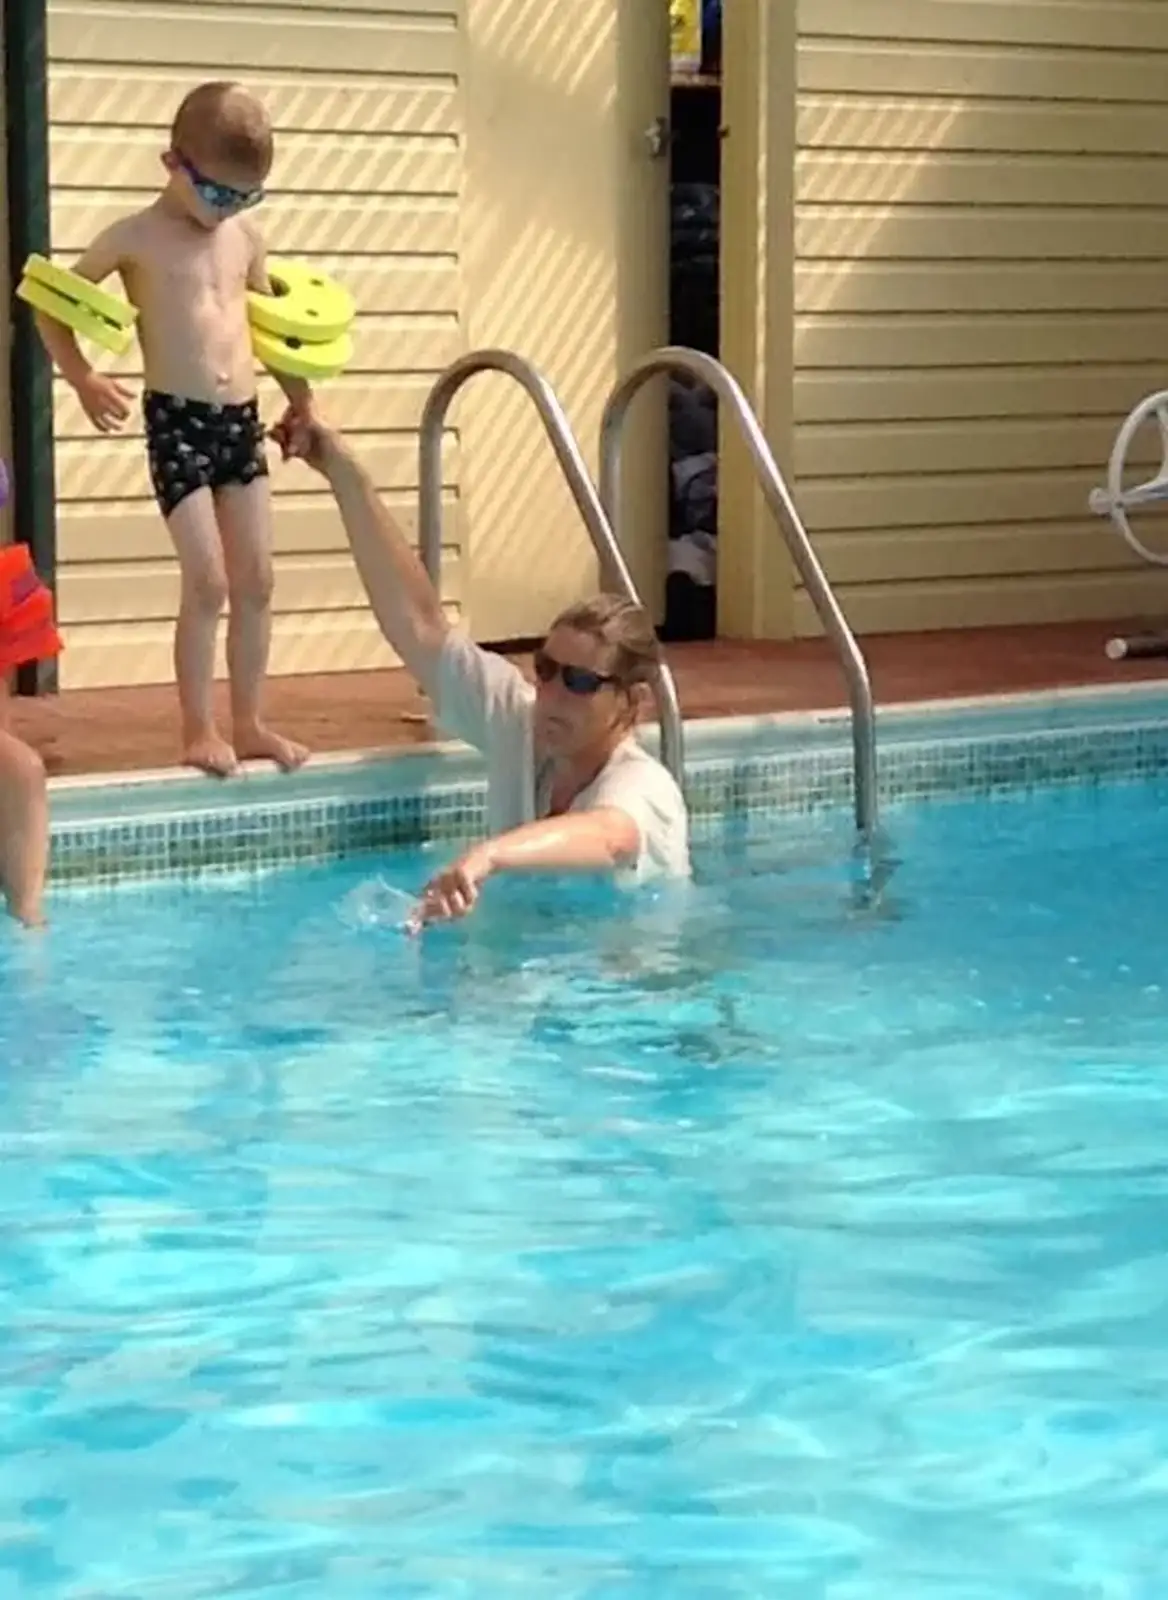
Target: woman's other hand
(453, 893)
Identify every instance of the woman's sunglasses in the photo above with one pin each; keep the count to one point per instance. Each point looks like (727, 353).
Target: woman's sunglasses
(218, 196)
(576, 680)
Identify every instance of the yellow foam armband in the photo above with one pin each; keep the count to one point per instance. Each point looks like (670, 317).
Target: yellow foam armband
(302, 327)
(73, 301)
(298, 360)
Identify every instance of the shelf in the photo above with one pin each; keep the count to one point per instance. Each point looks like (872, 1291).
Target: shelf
(695, 80)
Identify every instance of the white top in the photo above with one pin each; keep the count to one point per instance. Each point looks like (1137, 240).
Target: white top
(487, 702)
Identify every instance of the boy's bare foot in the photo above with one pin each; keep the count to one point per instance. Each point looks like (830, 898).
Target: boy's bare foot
(261, 744)
(211, 753)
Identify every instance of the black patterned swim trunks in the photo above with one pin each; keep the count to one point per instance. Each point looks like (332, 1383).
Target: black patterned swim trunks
(196, 444)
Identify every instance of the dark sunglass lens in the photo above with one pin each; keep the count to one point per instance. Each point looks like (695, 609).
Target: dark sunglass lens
(578, 680)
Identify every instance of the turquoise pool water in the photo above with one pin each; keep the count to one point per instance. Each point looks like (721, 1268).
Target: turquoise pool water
(791, 1238)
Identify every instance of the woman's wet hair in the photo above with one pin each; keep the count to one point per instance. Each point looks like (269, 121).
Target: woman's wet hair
(626, 631)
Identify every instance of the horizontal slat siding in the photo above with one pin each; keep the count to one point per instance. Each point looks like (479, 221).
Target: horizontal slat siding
(81, 95)
(91, 538)
(209, 40)
(335, 641)
(86, 473)
(365, 97)
(980, 234)
(340, 224)
(390, 164)
(311, 583)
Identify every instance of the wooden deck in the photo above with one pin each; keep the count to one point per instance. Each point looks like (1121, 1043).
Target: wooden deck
(136, 729)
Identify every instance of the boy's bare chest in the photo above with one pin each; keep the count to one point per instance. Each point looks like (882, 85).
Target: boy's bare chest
(213, 273)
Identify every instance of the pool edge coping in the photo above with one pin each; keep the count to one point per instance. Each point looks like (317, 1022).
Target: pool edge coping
(463, 764)
(171, 823)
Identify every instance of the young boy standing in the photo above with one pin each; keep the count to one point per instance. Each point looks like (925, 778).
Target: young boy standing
(187, 263)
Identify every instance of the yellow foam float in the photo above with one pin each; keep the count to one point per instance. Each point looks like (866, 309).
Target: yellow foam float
(90, 311)
(302, 328)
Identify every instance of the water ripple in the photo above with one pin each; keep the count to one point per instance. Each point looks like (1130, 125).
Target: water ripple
(789, 1241)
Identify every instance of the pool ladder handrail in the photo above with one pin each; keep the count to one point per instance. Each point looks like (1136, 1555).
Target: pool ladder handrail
(677, 358)
(571, 463)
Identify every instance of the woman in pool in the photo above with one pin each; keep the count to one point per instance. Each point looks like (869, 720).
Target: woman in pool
(570, 788)
(27, 633)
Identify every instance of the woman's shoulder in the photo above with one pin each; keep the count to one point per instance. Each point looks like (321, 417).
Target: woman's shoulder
(633, 766)
(637, 783)
(478, 690)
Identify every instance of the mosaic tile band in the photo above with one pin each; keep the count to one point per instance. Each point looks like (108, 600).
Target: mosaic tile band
(799, 770)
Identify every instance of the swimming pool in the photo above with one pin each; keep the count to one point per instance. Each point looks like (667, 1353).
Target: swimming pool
(800, 1236)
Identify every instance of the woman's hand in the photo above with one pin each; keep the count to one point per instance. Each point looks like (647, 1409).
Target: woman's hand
(304, 437)
(453, 893)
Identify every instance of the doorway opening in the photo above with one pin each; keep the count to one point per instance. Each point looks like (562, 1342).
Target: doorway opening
(694, 248)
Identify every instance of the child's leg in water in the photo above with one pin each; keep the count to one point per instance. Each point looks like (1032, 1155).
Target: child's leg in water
(245, 519)
(24, 825)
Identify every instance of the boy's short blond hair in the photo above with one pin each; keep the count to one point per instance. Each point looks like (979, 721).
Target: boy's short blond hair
(223, 121)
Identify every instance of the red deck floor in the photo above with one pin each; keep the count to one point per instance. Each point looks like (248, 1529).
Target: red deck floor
(133, 729)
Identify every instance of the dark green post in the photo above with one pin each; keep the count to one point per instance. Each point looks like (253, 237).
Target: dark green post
(26, 100)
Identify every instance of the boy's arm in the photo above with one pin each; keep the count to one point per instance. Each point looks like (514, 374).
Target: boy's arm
(103, 258)
(297, 391)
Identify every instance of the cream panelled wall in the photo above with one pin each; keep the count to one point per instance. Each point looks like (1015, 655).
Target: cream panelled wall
(365, 95)
(565, 259)
(981, 292)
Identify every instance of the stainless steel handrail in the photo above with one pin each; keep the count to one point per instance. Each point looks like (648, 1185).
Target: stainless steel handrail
(782, 506)
(572, 465)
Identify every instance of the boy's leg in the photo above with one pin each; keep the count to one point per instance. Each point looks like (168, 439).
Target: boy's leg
(24, 825)
(195, 533)
(245, 518)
